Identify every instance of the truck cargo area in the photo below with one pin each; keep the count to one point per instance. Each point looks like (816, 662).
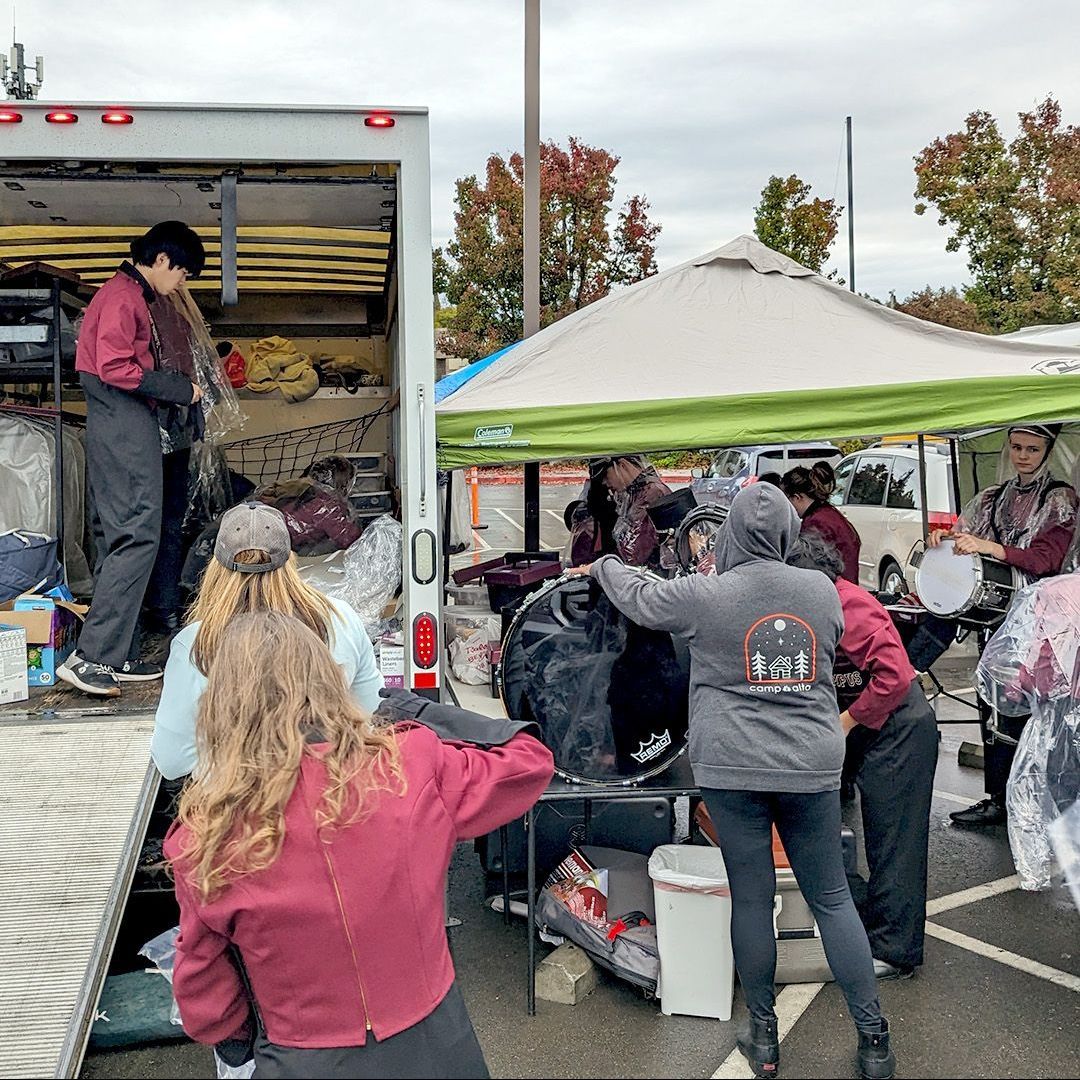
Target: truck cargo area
(317, 230)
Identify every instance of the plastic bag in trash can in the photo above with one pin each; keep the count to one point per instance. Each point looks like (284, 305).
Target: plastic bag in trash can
(230, 1072)
(685, 868)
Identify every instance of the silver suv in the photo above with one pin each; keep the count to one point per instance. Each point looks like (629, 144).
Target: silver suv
(731, 470)
(879, 493)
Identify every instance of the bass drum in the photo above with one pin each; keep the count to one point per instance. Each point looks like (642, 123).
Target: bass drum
(611, 697)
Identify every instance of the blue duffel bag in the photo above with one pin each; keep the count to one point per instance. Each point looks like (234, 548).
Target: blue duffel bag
(27, 563)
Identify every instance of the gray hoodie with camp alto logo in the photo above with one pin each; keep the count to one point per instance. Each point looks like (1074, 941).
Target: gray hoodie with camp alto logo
(762, 637)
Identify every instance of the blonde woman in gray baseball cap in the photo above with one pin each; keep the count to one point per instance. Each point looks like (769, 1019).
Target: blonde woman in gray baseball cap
(253, 569)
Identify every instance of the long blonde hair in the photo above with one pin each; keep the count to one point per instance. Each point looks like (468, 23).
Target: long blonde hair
(274, 694)
(225, 593)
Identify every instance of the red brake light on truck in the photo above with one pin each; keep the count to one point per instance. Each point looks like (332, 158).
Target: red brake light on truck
(61, 116)
(379, 121)
(9, 116)
(425, 640)
(116, 117)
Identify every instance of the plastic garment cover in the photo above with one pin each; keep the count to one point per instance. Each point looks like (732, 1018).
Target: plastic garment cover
(320, 520)
(183, 343)
(161, 952)
(636, 540)
(1031, 665)
(27, 499)
(611, 697)
(1065, 836)
(367, 576)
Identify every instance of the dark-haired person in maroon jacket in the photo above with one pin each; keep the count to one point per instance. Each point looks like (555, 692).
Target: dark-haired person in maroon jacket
(892, 745)
(809, 490)
(123, 383)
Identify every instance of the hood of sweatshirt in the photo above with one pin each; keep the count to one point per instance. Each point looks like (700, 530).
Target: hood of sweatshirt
(762, 526)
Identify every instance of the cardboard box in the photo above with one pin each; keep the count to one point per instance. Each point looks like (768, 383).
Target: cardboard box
(51, 626)
(13, 684)
(392, 665)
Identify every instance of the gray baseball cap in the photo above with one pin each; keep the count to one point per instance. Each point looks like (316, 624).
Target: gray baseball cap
(253, 526)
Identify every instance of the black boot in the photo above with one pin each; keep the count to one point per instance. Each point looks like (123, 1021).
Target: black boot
(876, 1060)
(760, 1045)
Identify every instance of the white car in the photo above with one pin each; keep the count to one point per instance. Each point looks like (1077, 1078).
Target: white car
(878, 491)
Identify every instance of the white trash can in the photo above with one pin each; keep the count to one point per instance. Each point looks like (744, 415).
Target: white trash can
(693, 931)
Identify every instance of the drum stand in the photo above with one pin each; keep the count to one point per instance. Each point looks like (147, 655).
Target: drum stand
(675, 781)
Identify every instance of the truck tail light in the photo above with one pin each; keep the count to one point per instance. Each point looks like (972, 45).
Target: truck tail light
(9, 116)
(115, 116)
(61, 116)
(379, 121)
(425, 633)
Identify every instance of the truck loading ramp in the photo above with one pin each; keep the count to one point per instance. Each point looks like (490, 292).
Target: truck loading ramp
(76, 792)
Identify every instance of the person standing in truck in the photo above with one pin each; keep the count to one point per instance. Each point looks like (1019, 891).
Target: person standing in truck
(125, 387)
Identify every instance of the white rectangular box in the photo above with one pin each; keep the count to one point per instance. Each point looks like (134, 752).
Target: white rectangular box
(14, 684)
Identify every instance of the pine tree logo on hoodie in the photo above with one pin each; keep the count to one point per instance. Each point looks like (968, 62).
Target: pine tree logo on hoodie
(781, 654)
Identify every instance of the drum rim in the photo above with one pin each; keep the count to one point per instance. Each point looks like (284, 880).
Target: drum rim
(662, 765)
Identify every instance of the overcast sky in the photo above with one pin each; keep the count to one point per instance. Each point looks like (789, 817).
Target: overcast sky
(702, 100)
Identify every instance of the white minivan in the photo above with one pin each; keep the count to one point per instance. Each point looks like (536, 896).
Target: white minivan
(878, 491)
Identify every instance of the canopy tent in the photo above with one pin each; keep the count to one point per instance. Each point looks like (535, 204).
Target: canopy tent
(1051, 334)
(743, 346)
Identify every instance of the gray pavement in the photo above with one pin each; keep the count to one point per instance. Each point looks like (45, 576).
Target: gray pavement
(965, 1014)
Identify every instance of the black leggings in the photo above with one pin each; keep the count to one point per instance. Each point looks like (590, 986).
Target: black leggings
(809, 827)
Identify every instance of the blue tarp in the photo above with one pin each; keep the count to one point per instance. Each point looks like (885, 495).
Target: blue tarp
(457, 379)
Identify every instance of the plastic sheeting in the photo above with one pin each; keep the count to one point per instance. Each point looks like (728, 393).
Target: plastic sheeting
(27, 497)
(1031, 665)
(367, 576)
(1021, 513)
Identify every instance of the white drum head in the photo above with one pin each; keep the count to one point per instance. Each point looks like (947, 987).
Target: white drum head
(945, 581)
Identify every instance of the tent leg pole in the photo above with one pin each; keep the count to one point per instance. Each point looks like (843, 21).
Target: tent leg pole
(532, 506)
(922, 488)
(446, 530)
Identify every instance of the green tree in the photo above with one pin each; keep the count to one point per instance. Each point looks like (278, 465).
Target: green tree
(586, 247)
(1015, 208)
(789, 221)
(944, 306)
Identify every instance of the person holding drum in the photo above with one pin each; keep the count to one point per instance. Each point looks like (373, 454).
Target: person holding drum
(891, 733)
(766, 747)
(809, 491)
(1026, 523)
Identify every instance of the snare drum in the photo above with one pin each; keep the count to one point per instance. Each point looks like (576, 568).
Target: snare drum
(975, 590)
(611, 697)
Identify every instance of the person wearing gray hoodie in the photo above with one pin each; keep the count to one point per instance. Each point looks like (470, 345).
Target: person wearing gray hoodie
(766, 748)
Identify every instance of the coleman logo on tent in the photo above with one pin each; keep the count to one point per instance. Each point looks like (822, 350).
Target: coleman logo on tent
(1057, 367)
(653, 748)
(485, 434)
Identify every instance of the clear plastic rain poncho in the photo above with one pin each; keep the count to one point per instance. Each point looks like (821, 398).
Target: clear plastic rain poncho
(1012, 514)
(1031, 665)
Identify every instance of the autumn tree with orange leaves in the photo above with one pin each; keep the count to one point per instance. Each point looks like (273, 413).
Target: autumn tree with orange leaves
(586, 247)
(1014, 207)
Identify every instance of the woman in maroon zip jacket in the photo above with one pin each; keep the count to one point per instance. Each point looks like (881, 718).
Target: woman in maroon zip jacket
(892, 744)
(313, 844)
(808, 491)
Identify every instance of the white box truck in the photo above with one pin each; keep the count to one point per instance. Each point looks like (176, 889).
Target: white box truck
(316, 222)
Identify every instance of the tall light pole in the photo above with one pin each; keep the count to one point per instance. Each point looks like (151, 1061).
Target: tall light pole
(850, 213)
(531, 239)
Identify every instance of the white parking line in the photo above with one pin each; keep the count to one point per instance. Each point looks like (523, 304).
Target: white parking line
(503, 514)
(480, 542)
(973, 895)
(796, 998)
(555, 514)
(948, 796)
(791, 1003)
(1003, 956)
